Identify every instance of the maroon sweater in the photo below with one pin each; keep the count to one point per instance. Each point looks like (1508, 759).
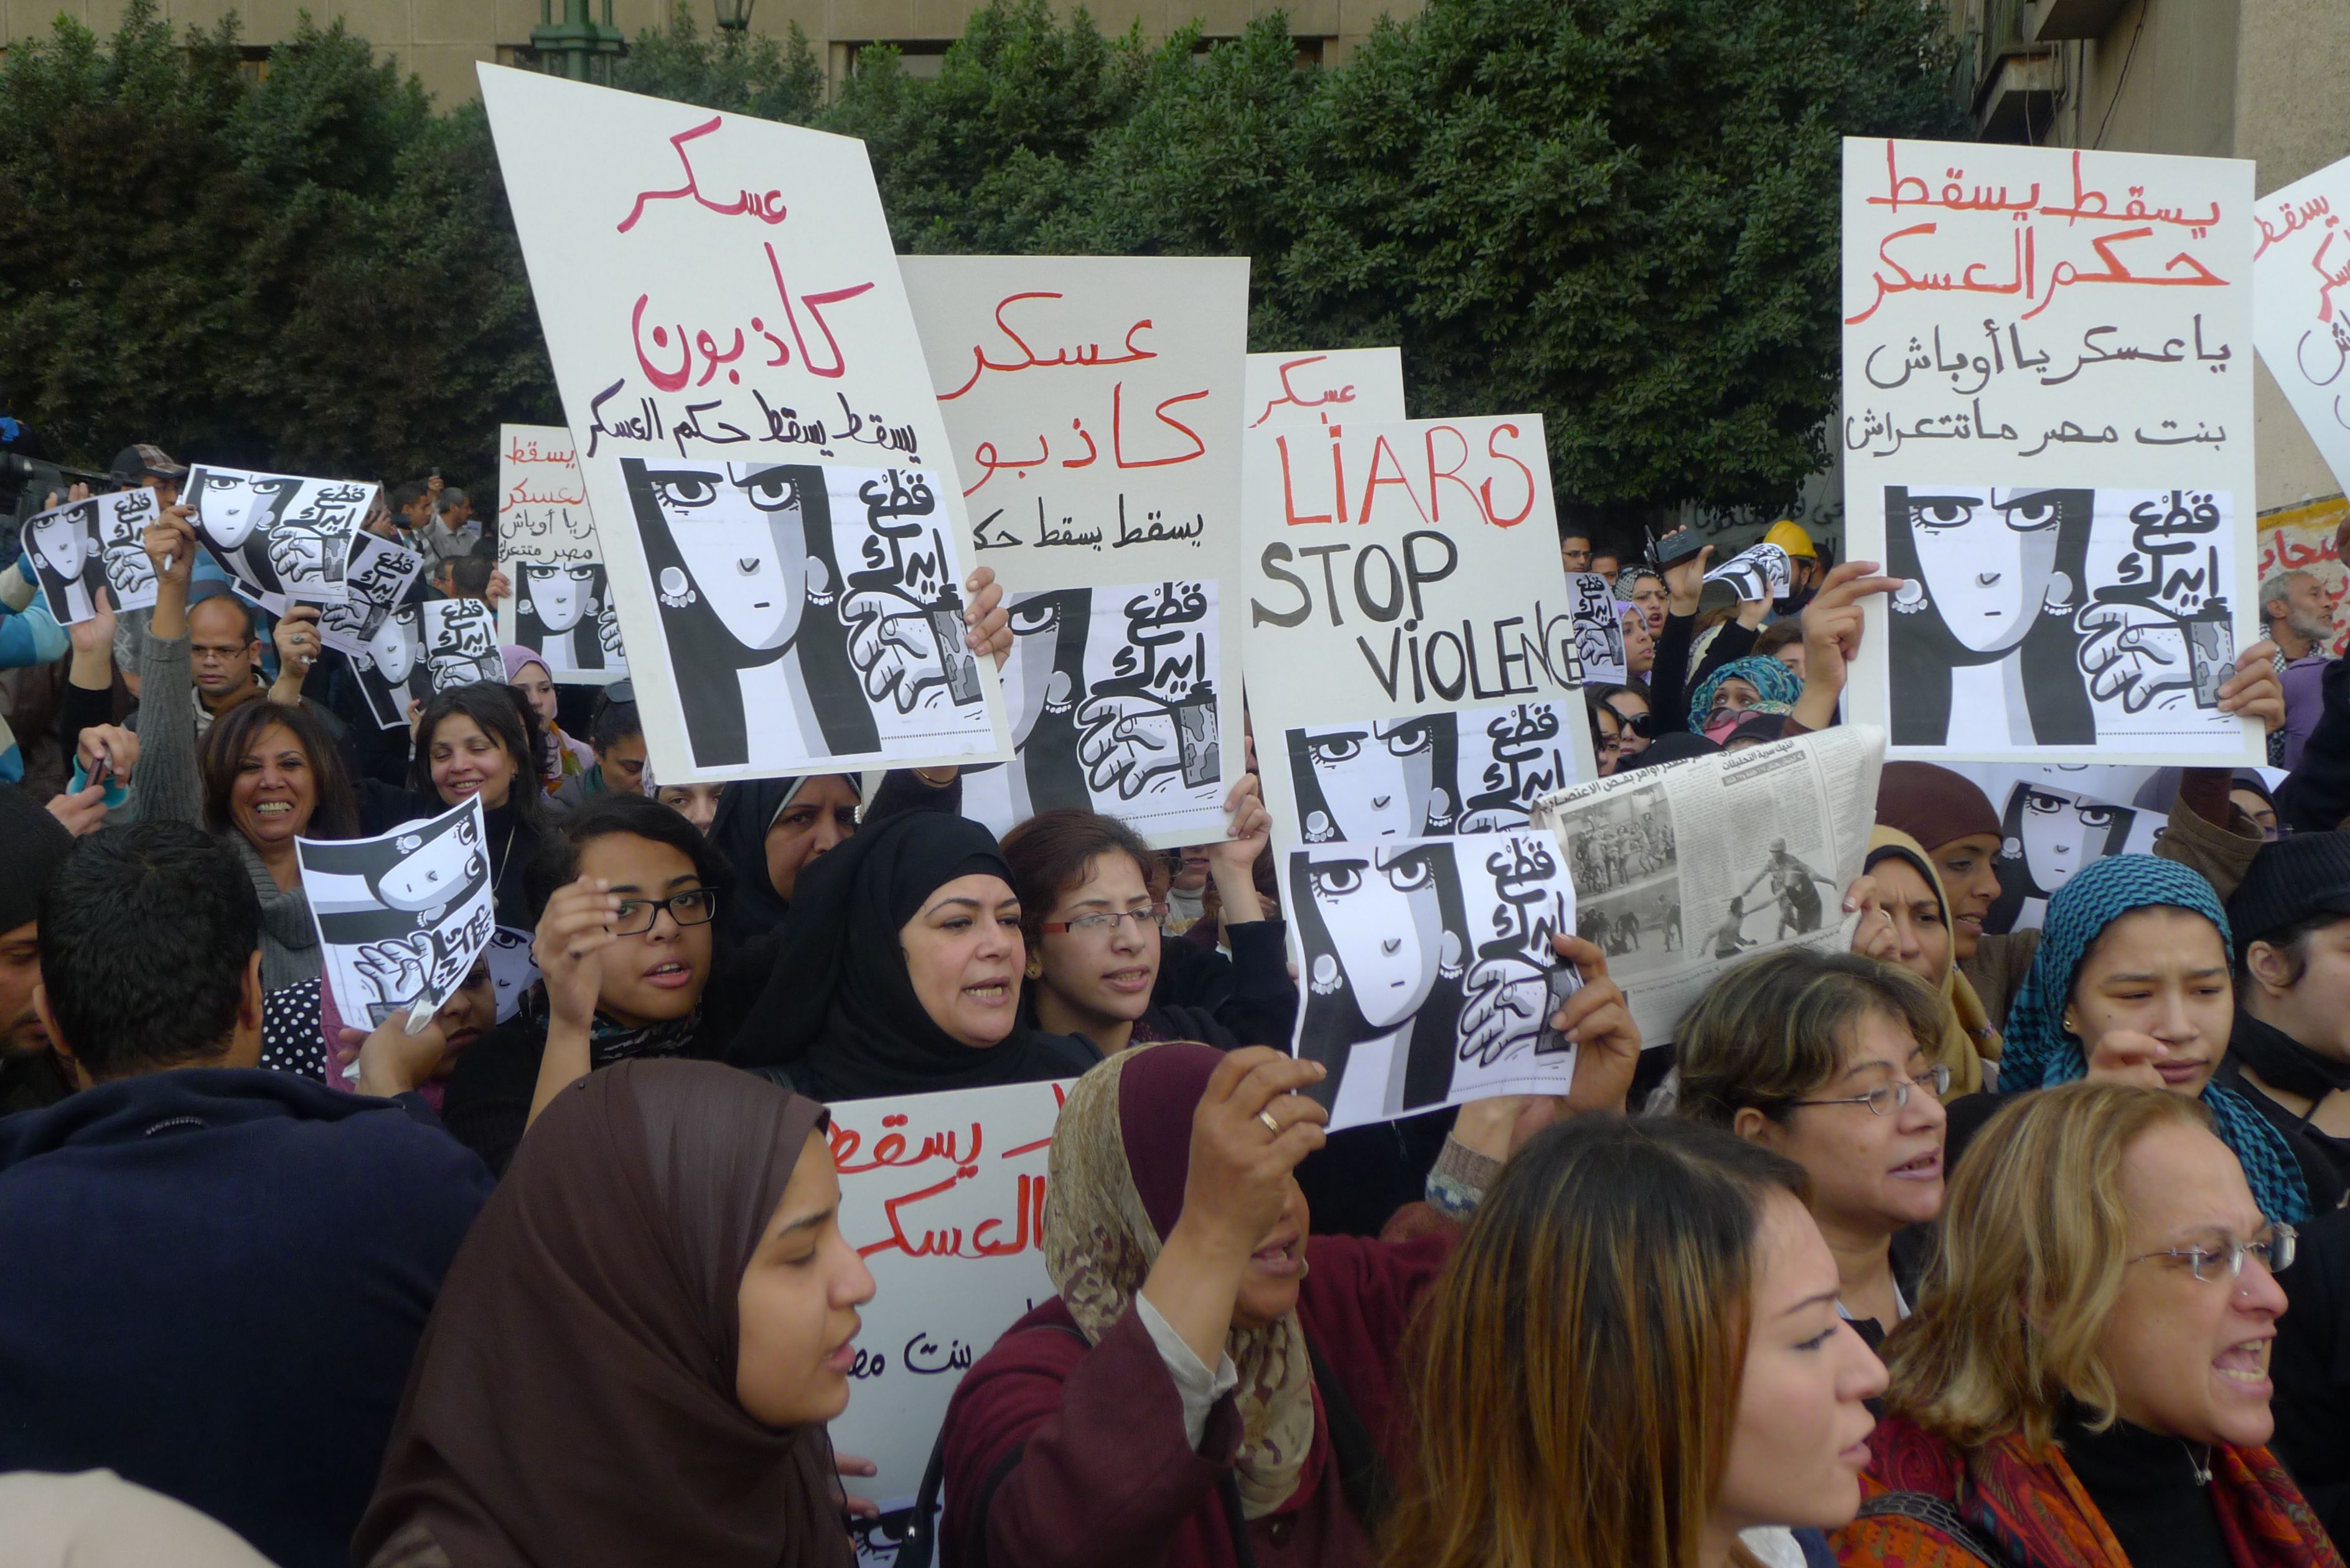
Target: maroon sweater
(1105, 1476)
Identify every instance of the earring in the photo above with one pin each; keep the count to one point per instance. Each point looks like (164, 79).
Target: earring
(1318, 827)
(1448, 957)
(1910, 597)
(1035, 968)
(676, 591)
(2058, 600)
(1325, 976)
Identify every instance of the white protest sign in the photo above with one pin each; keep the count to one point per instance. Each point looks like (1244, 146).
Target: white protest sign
(2047, 432)
(461, 643)
(2301, 259)
(1757, 572)
(1396, 573)
(390, 662)
(1429, 976)
(62, 544)
(381, 575)
(1333, 385)
(402, 916)
(943, 1197)
(279, 538)
(1598, 629)
(770, 482)
(2051, 826)
(1095, 407)
(561, 606)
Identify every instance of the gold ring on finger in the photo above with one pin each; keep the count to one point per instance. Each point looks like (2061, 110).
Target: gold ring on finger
(1270, 1124)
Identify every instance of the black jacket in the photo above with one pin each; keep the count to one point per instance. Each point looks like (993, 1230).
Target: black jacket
(2311, 1369)
(214, 1285)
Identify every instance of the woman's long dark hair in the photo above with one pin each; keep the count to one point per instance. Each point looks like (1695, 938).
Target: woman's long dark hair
(1048, 758)
(1924, 652)
(703, 655)
(1435, 1028)
(335, 813)
(498, 709)
(1443, 776)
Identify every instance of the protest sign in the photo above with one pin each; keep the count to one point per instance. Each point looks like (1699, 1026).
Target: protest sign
(1468, 769)
(389, 663)
(1335, 384)
(402, 916)
(561, 608)
(278, 536)
(461, 643)
(1598, 629)
(1095, 407)
(378, 583)
(943, 1197)
(2047, 432)
(1757, 572)
(2301, 257)
(513, 968)
(1395, 573)
(1428, 973)
(1684, 870)
(2046, 836)
(83, 546)
(770, 482)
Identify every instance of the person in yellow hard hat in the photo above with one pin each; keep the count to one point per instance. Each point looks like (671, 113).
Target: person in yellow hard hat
(1803, 557)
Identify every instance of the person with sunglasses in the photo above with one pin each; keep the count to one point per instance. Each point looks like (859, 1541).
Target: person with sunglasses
(1630, 706)
(1829, 1059)
(2087, 1382)
(624, 953)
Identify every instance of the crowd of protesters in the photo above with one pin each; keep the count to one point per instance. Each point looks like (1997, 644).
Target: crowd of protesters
(2017, 1249)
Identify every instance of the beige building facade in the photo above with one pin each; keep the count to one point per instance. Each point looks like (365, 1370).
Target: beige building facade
(2215, 78)
(440, 40)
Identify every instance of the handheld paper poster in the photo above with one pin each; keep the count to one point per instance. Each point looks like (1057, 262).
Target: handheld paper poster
(561, 608)
(402, 917)
(1598, 629)
(380, 575)
(1426, 775)
(391, 668)
(278, 537)
(1757, 572)
(461, 643)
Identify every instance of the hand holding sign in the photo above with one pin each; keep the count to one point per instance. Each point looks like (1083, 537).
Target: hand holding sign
(1597, 1018)
(572, 936)
(170, 544)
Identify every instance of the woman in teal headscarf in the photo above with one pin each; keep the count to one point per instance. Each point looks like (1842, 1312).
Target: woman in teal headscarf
(2131, 983)
(1742, 686)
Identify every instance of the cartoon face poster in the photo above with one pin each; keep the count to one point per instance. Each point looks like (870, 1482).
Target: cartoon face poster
(402, 916)
(1429, 973)
(381, 577)
(279, 538)
(391, 668)
(461, 643)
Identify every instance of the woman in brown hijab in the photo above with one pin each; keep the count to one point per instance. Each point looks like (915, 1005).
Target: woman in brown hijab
(636, 1351)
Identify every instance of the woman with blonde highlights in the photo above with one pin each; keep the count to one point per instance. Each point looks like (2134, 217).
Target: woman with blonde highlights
(1633, 1359)
(2086, 1383)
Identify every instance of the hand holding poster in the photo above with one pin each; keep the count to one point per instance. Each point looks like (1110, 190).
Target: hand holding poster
(1315, 388)
(1404, 593)
(1688, 869)
(461, 643)
(943, 1197)
(279, 538)
(380, 575)
(402, 916)
(772, 485)
(2301, 262)
(1758, 572)
(1094, 405)
(1431, 979)
(2048, 434)
(561, 608)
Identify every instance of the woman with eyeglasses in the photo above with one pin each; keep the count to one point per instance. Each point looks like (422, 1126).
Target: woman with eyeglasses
(1828, 1059)
(624, 953)
(2086, 1383)
(1091, 925)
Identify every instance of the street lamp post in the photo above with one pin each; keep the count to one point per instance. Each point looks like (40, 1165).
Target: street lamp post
(576, 46)
(734, 15)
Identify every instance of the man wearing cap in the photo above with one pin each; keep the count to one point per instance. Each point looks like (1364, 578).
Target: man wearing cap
(2290, 1051)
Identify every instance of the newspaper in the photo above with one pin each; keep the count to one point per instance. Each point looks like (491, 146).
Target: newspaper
(1690, 868)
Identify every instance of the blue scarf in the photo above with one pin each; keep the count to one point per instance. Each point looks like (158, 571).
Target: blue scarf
(2038, 1052)
(1772, 682)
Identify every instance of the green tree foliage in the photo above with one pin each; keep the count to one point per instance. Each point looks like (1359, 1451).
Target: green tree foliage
(1618, 213)
(313, 271)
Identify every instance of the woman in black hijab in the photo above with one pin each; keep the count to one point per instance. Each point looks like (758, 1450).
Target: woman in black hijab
(897, 971)
(769, 830)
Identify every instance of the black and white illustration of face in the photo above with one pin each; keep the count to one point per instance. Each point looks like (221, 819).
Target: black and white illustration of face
(559, 594)
(1386, 924)
(1988, 558)
(1376, 779)
(435, 875)
(396, 644)
(2061, 834)
(61, 543)
(1031, 678)
(741, 533)
(230, 508)
(512, 969)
